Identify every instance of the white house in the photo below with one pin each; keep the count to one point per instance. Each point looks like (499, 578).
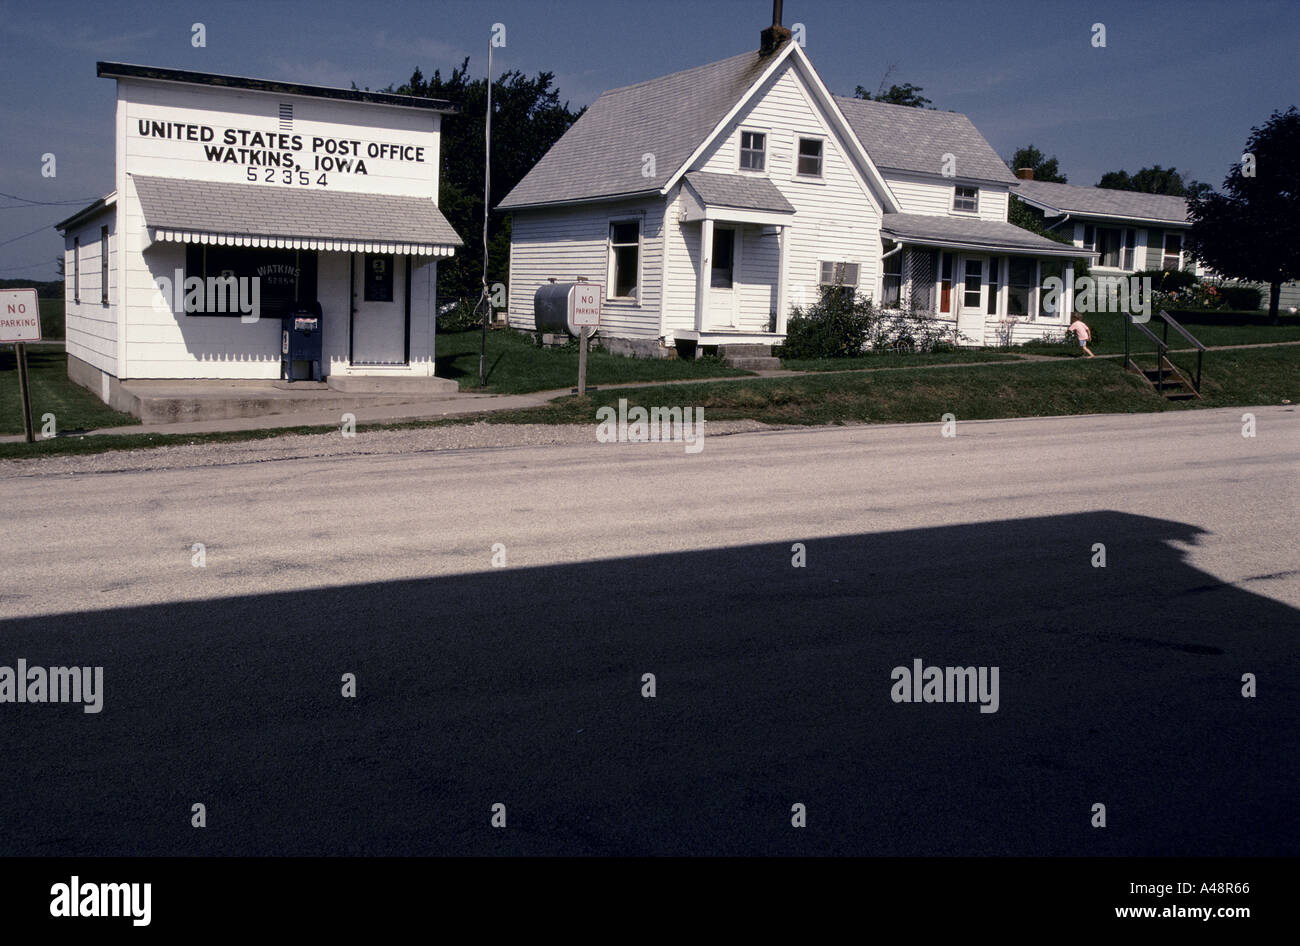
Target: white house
(709, 202)
(294, 195)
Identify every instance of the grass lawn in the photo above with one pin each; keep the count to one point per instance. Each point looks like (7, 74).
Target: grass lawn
(867, 362)
(1258, 376)
(73, 407)
(516, 366)
(1075, 386)
(1108, 330)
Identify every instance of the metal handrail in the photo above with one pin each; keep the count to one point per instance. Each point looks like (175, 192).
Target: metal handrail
(1200, 349)
(1161, 350)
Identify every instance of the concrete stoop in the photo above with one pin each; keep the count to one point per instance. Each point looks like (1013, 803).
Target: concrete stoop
(174, 402)
(749, 357)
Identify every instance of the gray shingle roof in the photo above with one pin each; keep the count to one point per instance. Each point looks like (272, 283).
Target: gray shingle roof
(916, 139)
(1101, 202)
(669, 117)
(738, 192)
(275, 211)
(971, 232)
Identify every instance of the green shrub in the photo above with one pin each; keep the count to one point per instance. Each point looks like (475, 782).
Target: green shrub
(1242, 298)
(838, 325)
(1169, 280)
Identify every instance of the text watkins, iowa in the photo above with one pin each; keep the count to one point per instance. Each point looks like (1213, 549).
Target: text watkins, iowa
(24, 684)
(946, 685)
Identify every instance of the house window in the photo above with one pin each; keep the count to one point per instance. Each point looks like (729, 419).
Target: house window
(1089, 237)
(1050, 308)
(1173, 255)
(810, 157)
(724, 258)
(103, 265)
(973, 281)
(891, 282)
(838, 274)
(753, 150)
(966, 198)
(945, 283)
(624, 258)
(1130, 247)
(1020, 285)
(76, 269)
(995, 273)
(1108, 245)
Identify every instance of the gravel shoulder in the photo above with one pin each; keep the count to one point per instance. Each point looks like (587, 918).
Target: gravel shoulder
(311, 446)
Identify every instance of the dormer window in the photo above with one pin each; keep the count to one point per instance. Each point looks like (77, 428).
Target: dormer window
(753, 151)
(966, 199)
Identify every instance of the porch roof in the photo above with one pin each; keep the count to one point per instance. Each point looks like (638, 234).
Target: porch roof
(186, 211)
(738, 192)
(963, 233)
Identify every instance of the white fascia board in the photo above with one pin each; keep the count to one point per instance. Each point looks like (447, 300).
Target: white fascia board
(735, 110)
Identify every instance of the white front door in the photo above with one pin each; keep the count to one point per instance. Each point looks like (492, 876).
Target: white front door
(973, 298)
(723, 277)
(379, 309)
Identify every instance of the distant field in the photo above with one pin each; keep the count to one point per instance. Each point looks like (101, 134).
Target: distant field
(51, 319)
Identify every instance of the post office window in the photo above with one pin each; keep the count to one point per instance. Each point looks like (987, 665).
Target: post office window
(76, 269)
(103, 265)
(379, 277)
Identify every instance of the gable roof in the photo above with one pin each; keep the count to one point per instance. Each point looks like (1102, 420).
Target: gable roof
(600, 156)
(738, 192)
(902, 138)
(1102, 202)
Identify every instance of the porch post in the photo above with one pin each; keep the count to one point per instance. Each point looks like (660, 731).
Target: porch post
(1067, 295)
(782, 277)
(706, 273)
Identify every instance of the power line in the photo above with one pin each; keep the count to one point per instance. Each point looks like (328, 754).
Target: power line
(31, 265)
(27, 234)
(44, 203)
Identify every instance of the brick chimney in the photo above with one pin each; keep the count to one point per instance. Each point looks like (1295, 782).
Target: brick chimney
(776, 35)
(1025, 174)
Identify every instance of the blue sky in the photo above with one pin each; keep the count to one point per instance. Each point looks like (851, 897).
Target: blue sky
(1179, 83)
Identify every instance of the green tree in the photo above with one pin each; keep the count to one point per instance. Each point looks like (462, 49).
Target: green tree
(1252, 230)
(1045, 168)
(905, 94)
(1154, 180)
(527, 118)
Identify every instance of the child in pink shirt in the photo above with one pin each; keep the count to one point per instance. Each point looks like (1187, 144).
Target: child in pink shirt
(1079, 329)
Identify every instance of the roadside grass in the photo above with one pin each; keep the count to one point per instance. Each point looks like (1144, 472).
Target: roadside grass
(1249, 377)
(516, 366)
(891, 360)
(1038, 389)
(53, 392)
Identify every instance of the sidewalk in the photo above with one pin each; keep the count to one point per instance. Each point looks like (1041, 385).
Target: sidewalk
(471, 403)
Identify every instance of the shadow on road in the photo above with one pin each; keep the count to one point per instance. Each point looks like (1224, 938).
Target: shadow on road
(1118, 685)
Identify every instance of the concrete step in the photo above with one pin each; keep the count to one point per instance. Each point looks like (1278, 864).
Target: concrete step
(745, 350)
(378, 384)
(753, 364)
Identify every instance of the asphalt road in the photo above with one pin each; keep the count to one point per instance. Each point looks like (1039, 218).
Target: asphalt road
(522, 684)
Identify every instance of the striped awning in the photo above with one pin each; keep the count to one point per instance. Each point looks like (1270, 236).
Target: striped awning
(290, 217)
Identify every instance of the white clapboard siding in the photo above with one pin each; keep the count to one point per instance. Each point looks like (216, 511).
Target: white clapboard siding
(90, 326)
(921, 194)
(574, 241)
(835, 217)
